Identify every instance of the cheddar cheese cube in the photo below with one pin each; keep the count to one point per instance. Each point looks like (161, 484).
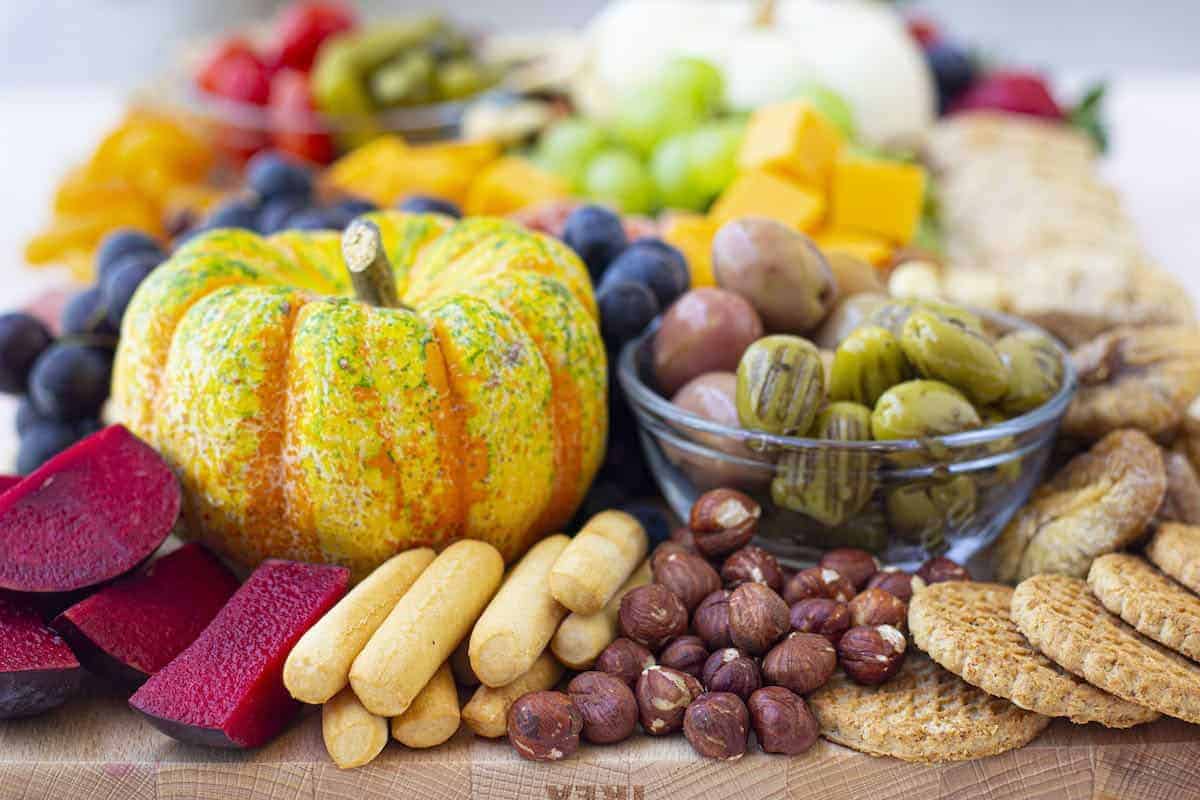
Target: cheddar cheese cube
(876, 196)
(763, 194)
(792, 139)
(510, 184)
(875, 250)
(693, 235)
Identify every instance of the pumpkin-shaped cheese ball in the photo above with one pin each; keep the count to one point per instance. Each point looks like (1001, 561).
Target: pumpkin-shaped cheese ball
(469, 400)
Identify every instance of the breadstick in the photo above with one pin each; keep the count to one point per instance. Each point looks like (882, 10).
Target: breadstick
(486, 713)
(319, 665)
(353, 736)
(521, 619)
(425, 626)
(598, 560)
(580, 638)
(433, 716)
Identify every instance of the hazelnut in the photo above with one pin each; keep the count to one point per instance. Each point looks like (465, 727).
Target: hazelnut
(544, 726)
(607, 705)
(718, 726)
(782, 721)
(686, 654)
(624, 659)
(663, 695)
(757, 618)
(802, 662)
(723, 520)
(711, 620)
(877, 607)
(854, 564)
(896, 581)
(651, 615)
(688, 576)
(942, 569)
(683, 537)
(871, 655)
(821, 615)
(667, 549)
(752, 565)
(818, 582)
(731, 670)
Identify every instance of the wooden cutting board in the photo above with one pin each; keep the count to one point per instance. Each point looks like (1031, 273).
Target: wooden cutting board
(95, 747)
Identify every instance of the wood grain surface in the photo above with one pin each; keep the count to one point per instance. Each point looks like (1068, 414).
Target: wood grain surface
(95, 748)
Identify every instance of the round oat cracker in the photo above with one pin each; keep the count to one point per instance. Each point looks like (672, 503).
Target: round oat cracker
(1175, 549)
(1060, 616)
(1151, 602)
(924, 714)
(965, 626)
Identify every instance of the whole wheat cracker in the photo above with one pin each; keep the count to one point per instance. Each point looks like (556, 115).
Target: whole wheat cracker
(1060, 616)
(1152, 603)
(965, 626)
(1175, 549)
(924, 714)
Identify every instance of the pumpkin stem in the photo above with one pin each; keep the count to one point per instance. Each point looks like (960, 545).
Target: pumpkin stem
(764, 16)
(370, 271)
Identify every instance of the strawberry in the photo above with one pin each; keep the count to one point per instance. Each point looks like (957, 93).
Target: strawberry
(233, 70)
(923, 30)
(294, 118)
(1015, 92)
(303, 27)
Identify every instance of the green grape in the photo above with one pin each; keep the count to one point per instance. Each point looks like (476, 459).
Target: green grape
(832, 106)
(618, 178)
(646, 117)
(567, 147)
(672, 170)
(713, 150)
(694, 78)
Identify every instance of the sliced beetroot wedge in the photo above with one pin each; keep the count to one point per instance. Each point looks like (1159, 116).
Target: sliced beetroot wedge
(8, 481)
(226, 689)
(38, 671)
(86, 516)
(134, 627)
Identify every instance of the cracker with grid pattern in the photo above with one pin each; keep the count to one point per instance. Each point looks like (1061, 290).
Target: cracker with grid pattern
(1175, 549)
(1060, 616)
(1152, 603)
(924, 714)
(965, 626)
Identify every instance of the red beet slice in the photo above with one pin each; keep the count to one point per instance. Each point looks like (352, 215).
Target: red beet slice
(86, 516)
(38, 671)
(8, 481)
(226, 689)
(134, 627)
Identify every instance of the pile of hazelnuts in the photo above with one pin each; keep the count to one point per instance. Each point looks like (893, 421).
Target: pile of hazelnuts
(759, 639)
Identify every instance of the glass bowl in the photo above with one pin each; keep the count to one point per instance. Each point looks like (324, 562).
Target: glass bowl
(949, 495)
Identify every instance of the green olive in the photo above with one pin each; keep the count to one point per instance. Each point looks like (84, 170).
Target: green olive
(1034, 370)
(922, 409)
(829, 485)
(895, 314)
(945, 350)
(780, 385)
(923, 513)
(868, 529)
(868, 363)
(1010, 470)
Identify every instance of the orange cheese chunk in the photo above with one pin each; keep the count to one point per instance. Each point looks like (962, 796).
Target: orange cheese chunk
(875, 250)
(761, 194)
(876, 196)
(693, 235)
(510, 184)
(792, 139)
